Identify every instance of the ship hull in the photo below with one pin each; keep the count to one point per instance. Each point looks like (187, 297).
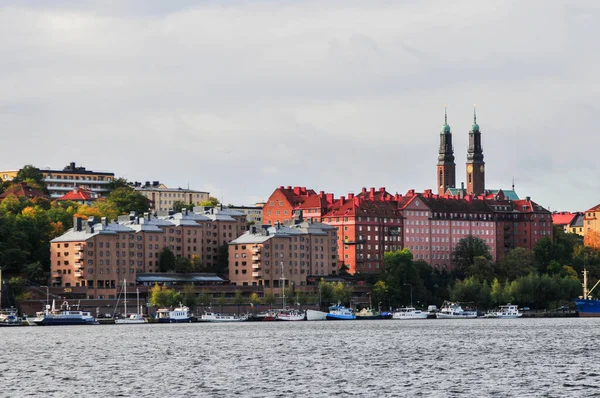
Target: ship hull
(588, 308)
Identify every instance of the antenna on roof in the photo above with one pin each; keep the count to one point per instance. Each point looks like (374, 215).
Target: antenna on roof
(474, 114)
(513, 184)
(445, 114)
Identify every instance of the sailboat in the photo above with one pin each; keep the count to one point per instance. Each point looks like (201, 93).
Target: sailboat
(133, 318)
(287, 314)
(314, 315)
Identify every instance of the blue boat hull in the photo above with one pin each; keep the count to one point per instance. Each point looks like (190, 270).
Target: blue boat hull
(333, 317)
(63, 322)
(170, 320)
(588, 308)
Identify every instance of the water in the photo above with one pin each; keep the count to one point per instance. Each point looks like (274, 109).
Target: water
(445, 358)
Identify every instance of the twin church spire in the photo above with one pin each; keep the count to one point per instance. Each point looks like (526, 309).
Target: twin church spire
(475, 167)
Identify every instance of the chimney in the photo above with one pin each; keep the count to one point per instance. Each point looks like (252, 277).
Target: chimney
(329, 198)
(364, 190)
(321, 194)
(132, 215)
(411, 192)
(342, 199)
(104, 221)
(288, 187)
(253, 230)
(184, 211)
(281, 187)
(76, 224)
(147, 216)
(372, 192)
(382, 189)
(527, 198)
(350, 196)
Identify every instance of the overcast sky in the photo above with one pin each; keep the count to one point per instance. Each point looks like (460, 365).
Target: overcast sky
(239, 97)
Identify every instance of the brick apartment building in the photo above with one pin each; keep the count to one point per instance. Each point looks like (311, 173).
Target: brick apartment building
(430, 225)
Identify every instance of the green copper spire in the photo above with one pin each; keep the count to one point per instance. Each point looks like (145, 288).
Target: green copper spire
(445, 127)
(475, 125)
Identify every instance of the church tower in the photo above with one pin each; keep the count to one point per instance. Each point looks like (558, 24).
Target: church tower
(446, 168)
(475, 163)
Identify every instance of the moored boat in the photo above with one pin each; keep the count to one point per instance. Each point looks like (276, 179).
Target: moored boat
(314, 315)
(216, 317)
(507, 311)
(587, 305)
(451, 310)
(367, 313)
(180, 314)
(132, 319)
(339, 312)
(290, 315)
(8, 317)
(407, 313)
(65, 316)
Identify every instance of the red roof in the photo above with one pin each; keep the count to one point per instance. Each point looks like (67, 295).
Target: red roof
(595, 208)
(21, 189)
(563, 218)
(79, 195)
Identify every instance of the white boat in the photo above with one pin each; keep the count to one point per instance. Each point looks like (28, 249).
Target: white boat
(216, 317)
(8, 317)
(177, 315)
(313, 315)
(135, 318)
(65, 316)
(409, 313)
(290, 315)
(451, 310)
(507, 311)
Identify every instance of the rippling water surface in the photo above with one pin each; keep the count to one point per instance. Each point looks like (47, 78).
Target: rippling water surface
(446, 358)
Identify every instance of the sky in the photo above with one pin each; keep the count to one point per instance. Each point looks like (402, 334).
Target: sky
(240, 97)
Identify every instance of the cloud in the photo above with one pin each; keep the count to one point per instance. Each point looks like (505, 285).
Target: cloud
(241, 97)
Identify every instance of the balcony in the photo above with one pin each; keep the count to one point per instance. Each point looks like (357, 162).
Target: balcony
(56, 274)
(256, 274)
(256, 257)
(256, 266)
(78, 273)
(78, 256)
(256, 250)
(79, 247)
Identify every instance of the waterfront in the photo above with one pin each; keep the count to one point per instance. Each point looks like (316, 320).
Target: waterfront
(482, 357)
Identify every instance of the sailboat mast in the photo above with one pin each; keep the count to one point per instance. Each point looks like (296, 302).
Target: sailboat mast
(125, 296)
(137, 291)
(282, 285)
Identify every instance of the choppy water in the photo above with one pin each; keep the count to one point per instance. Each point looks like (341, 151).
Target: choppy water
(446, 358)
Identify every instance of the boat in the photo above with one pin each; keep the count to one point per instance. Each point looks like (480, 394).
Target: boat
(339, 312)
(135, 318)
(451, 310)
(290, 315)
(368, 313)
(314, 315)
(507, 311)
(216, 317)
(407, 313)
(64, 316)
(8, 317)
(587, 305)
(180, 314)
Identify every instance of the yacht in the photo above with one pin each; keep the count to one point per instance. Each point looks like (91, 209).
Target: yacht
(409, 313)
(135, 318)
(368, 313)
(290, 315)
(64, 316)
(339, 312)
(507, 311)
(216, 317)
(177, 315)
(451, 310)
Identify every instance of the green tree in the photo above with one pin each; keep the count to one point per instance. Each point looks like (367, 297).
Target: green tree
(119, 182)
(127, 200)
(179, 205)
(342, 292)
(183, 265)
(270, 298)
(166, 260)
(515, 263)
(465, 252)
(221, 301)
(204, 298)
(481, 269)
(32, 176)
(196, 262)
(379, 293)
(189, 297)
(160, 296)
(238, 299)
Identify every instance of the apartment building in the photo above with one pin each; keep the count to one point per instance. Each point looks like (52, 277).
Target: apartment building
(72, 176)
(162, 198)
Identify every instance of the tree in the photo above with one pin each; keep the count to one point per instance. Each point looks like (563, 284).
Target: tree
(127, 200)
(196, 262)
(379, 292)
(119, 182)
(211, 202)
(465, 252)
(189, 297)
(160, 296)
(204, 298)
(179, 205)
(221, 301)
(342, 292)
(481, 269)
(166, 260)
(32, 176)
(255, 301)
(238, 299)
(270, 298)
(515, 263)
(183, 265)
